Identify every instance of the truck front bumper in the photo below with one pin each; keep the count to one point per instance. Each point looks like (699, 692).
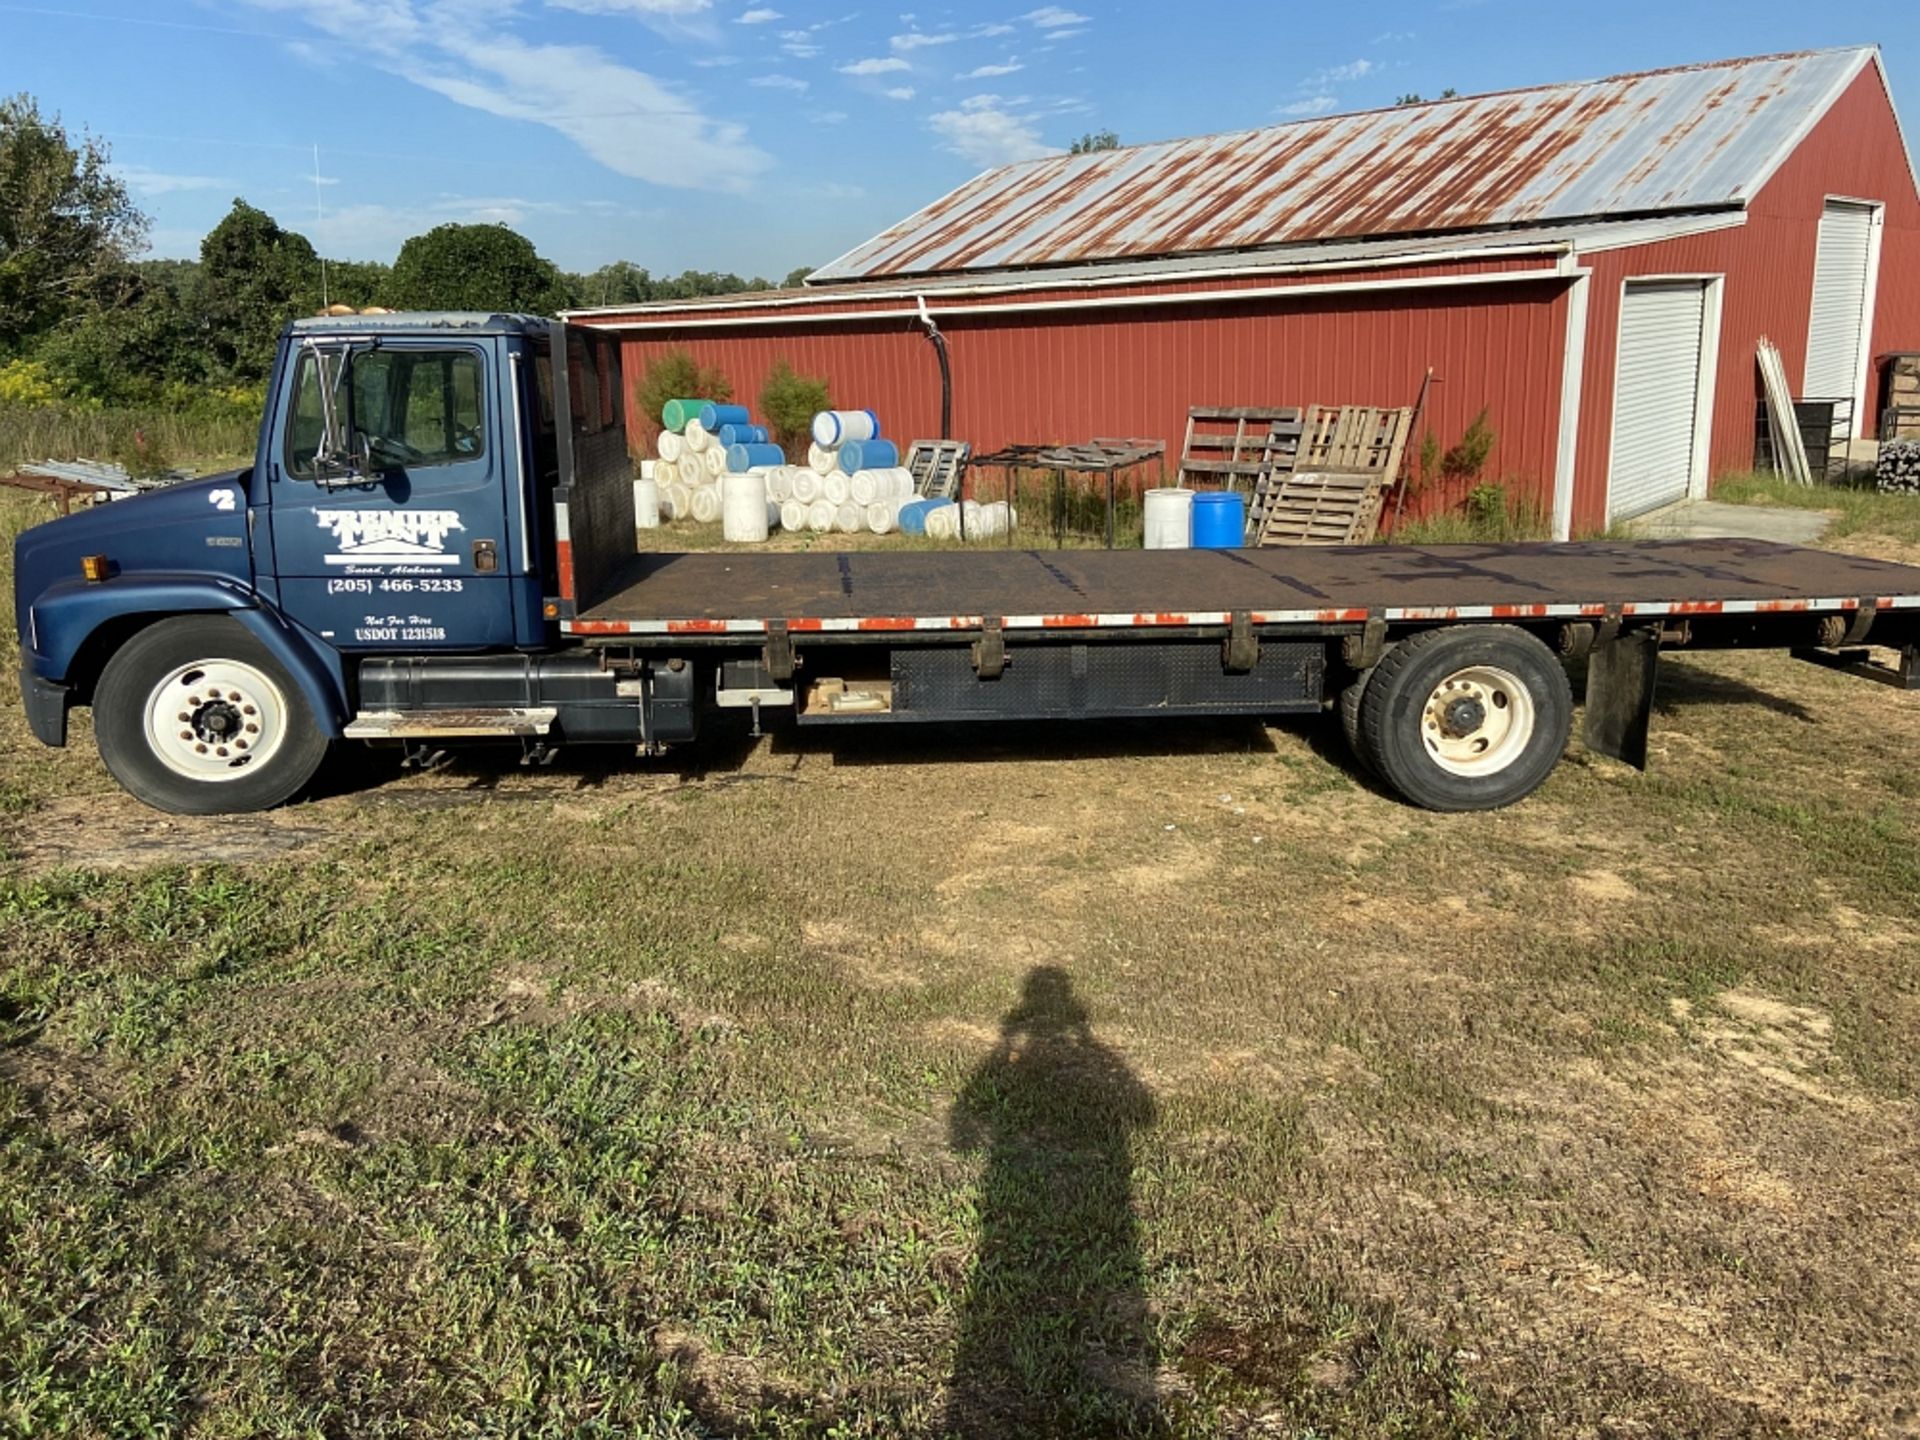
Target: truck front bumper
(46, 703)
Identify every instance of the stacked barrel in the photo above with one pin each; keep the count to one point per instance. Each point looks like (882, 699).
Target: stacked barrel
(712, 462)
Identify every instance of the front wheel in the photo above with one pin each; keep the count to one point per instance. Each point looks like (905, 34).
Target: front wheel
(1467, 719)
(195, 716)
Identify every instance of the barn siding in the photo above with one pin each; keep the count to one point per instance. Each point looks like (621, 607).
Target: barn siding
(1074, 375)
(1855, 150)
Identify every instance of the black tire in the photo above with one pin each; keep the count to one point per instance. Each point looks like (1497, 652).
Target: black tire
(120, 706)
(1393, 715)
(1350, 726)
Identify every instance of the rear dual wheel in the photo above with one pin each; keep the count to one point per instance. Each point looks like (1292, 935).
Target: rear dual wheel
(1461, 719)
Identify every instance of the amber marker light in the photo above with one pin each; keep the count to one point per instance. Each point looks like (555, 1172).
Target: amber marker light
(95, 567)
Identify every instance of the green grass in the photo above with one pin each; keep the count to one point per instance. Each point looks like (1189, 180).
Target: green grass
(1129, 1079)
(1857, 508)
(172, 436)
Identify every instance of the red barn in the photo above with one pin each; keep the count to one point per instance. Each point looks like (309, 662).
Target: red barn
(1592, 264)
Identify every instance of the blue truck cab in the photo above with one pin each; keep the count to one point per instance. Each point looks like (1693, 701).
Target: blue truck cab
(394, 547)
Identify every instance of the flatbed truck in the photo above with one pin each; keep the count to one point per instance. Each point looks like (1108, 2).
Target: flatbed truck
(435, 544)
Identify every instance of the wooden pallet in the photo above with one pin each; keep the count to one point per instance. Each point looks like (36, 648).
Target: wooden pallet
(1227, 447)
(1330, 489)
(936, 466)
(1324, 507)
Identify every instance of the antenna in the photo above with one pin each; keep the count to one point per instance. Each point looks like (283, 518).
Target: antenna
(319, 220)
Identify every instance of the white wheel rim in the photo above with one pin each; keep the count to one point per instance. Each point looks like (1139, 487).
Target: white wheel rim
(1477, 721)
(216, 720)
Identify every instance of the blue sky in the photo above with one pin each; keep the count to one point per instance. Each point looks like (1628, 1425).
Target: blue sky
(757, 135)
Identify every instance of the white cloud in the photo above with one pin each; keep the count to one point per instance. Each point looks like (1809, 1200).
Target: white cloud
(989, 131)
(1311, 105)
(1336, 74)
(142, 181)
(759, 15)
(987, 72)
(875, 66)
(799, 43)
(901, 92)
(643, 9)
(920, 39)
(1066, 34)
(626, 119)
(712, 62)
(780, 82)
(1052, 17)
(1393, 37)
(828, 117)
(987, 32)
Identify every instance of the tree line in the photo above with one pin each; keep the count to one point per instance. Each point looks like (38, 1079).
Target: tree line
(82, 319)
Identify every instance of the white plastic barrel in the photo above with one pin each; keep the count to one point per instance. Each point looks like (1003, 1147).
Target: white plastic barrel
(780, 484)
(831, 427)
(820, 515)
(773, 516)
(837, 487)
(943, 522)
(850, 519)
(743, 508)
(992, 520)
(696, 436)
(706, 504)
(793, 515)
(715, 459)
(678, 504)
(806, 486)
(822, 459)
(882, 515)
(646, 503)
(1169, 518)
(692, 473)
(901, 480)
(671, 446)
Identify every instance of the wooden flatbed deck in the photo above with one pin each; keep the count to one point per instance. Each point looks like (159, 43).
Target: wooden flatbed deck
(741, 592)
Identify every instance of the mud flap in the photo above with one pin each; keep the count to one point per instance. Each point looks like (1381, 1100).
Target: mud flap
(1620, 680)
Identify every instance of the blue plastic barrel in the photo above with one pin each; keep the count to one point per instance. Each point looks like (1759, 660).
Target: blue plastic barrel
(913, 515)
(731, 435)
(713, 416)
(1219, 520)
(742, 458)
(858, 455)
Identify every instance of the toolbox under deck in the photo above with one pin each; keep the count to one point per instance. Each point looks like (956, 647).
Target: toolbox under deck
(728, 592)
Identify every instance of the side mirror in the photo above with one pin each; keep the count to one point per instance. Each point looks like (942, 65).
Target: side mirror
(337, 462)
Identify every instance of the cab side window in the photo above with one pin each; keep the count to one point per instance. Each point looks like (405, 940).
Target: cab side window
(406, 409)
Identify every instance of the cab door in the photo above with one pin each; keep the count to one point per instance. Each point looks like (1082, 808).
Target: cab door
(411, 554)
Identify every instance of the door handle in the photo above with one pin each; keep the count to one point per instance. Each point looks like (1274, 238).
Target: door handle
(486, 557)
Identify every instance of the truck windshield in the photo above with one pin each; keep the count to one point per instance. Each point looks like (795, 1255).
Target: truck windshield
(408, 408)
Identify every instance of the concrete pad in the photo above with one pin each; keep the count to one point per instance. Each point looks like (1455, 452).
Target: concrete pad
(1715, 520)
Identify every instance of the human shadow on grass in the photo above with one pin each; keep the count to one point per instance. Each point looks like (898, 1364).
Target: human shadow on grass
(1055, 1336)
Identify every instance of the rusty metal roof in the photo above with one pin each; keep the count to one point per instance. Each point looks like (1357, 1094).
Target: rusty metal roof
(1700, 137)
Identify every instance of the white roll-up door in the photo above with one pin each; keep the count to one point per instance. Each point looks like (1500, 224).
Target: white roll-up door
(1836, 334)
(1656, 395)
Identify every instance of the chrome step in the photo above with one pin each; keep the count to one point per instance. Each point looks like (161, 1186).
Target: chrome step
(446, 724)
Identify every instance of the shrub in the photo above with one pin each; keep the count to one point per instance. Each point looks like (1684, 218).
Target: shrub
(676, 375)
(1459, 463)
(789, 401)
(1467, 459)
(27, 383)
